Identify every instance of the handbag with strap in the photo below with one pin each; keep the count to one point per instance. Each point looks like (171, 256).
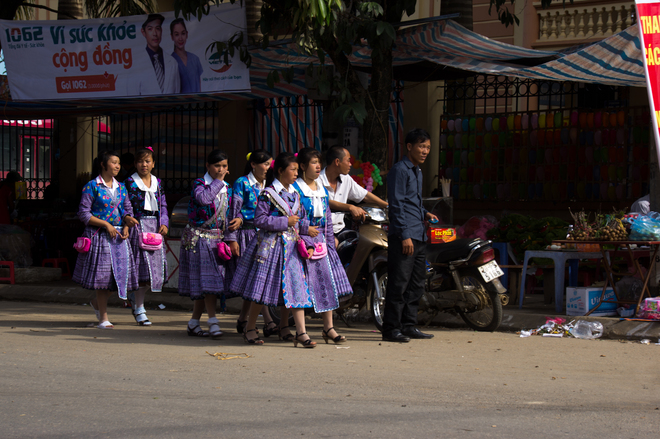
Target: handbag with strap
(151, 241)
(83, 244)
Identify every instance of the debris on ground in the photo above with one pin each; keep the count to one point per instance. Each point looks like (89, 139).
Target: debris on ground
(228, 356)
(557, 327)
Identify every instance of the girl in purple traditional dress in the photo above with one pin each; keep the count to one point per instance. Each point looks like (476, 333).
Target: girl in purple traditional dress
(108, 265)
(271, 271)
(202, 272)
(245, 193)
(326, 277)
(150, 209)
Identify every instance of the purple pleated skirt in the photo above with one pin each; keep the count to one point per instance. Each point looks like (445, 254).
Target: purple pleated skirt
(201, 271)
(140, 255)
(278, 280)
(243, 238)
(94, 268)
(327, 281)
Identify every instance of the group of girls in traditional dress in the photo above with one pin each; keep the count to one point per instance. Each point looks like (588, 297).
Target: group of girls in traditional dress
(269, 240)
(117, 217)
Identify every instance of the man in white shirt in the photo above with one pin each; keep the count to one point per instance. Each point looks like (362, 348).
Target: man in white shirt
(342, 188)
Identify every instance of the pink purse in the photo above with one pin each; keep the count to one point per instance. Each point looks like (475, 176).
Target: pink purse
(320, 248)
(224, 251)
(320, 251)
(151, 241)
(83, 244)
(302, 249)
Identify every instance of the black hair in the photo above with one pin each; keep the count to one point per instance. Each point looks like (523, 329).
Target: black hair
(127, 158)
(101, 162)
(417, 135)
(151, 18)
(175, 22)
(306, 155)
(257, 157)
(142, 152)
(334, 153)
(216, 156)
(283, 160)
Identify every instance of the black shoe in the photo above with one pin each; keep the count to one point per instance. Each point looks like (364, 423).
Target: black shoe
(395, 335)
(413, 332)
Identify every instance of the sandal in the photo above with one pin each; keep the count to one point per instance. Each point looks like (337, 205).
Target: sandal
(286, 337)
(306, 343)
(338, 339)
(214, 329)
(141, 318)
(105, 325)
(197, 332)
(268, 330)
(255, 341)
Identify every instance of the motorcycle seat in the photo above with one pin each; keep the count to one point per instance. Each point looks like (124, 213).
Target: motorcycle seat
(451, 251)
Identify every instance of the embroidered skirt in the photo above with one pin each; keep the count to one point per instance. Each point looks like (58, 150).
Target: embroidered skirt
(201, 271)
(327, 281)
(108, 265)
(151, 266)
(278, 279)
(243, 238)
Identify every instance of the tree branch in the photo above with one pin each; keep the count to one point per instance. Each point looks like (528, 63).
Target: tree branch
(47, 8)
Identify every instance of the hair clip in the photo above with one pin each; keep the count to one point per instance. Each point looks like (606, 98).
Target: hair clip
(247, 157)
(295, 155)
(149, 148)
(272, 164)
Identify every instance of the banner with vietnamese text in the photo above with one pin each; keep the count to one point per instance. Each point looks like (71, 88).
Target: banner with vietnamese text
(648, 17)
(142, 55)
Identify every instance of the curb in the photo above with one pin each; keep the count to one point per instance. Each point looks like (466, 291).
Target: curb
(513, 319)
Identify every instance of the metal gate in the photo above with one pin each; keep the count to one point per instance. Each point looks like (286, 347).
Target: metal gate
(181, 139)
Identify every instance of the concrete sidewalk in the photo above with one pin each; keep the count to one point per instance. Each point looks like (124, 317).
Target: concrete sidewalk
(533, 314)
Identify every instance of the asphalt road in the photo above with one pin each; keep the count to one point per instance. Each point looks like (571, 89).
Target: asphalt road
(60, 378)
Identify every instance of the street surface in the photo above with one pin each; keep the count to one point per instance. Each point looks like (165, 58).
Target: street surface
(62, 379)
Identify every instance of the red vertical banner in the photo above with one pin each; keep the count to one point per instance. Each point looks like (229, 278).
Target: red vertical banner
(648, 17)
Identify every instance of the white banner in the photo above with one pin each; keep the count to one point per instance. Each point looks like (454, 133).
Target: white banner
(123, 56)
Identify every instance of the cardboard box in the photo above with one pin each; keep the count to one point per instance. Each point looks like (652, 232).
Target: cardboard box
(581, 300)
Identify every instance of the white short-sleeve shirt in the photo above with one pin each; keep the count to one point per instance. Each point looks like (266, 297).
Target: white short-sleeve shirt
(347, 189)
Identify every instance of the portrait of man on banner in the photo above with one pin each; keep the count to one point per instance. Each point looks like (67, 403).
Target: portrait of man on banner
(157, 72)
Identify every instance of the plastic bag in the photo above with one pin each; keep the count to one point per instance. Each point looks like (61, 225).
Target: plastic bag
(587, 330)
(645, 228)
(629, 289)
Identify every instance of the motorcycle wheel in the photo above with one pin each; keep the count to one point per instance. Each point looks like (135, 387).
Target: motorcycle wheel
(275, 315)
(376, 304)
(488, 313)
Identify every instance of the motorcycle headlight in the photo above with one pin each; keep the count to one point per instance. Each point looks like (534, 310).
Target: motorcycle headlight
(376, 214)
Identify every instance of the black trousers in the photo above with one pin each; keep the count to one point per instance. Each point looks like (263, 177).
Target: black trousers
(405, 284)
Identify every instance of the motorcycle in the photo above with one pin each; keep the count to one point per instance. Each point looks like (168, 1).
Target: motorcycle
(462, 278)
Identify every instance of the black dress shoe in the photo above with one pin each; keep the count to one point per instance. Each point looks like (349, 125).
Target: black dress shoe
(395, 335)
(413, 332)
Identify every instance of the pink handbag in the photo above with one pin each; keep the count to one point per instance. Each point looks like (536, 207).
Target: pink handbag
(320, 251)
(224, 251)
(151, 241)
(83, 244)
(320, 248)
(302, 249)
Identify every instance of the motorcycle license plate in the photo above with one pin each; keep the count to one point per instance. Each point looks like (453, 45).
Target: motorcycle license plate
(490, 271)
